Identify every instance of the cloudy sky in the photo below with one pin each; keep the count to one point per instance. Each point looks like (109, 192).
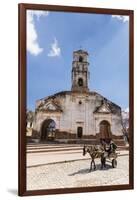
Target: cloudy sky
(53, 36)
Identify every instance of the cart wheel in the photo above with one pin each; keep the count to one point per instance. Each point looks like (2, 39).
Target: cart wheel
(114, 163)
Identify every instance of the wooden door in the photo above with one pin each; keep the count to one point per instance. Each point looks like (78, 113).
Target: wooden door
(105, 129)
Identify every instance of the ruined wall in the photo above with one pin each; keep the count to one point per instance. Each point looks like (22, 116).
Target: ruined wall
(78, 111)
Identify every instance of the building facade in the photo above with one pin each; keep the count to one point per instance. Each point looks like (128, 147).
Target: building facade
(79, 113)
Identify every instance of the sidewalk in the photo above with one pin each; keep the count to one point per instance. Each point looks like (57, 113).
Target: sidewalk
(39, 159)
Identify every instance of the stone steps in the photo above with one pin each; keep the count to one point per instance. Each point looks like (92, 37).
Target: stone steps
(46, 148)
(78, 141)
(73, 142)
(54, 150)
(120, 142)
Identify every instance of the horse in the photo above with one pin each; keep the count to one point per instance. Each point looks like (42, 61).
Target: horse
(95, 151)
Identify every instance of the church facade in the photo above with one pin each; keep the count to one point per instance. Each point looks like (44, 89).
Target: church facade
(79, 113)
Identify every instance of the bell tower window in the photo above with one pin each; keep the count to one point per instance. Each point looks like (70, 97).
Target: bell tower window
(80, 82)
(80, 59)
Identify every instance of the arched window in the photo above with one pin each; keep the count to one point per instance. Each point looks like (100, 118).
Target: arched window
(80, 59)
(80, 82)
(80, 102)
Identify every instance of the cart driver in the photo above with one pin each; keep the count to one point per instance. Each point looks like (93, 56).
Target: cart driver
(112, 148)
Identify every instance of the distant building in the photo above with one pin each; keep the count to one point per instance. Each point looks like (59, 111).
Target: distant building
(79, 113)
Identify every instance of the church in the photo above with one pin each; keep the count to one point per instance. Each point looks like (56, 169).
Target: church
(78, 114)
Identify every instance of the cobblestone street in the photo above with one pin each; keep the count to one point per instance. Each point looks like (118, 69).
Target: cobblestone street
(76, 174)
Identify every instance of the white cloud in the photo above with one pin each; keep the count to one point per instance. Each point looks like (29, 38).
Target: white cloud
(32, 37)
(55, 49)
(122, 18)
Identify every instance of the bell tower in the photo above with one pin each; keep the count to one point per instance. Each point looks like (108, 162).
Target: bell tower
(80, 73)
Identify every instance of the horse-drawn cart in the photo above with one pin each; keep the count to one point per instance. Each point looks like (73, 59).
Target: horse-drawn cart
(112, 157)
(106, 153)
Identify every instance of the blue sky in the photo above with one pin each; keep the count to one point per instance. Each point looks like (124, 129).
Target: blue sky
(53, 36)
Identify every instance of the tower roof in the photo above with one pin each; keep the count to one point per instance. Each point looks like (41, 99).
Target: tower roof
(81, 51)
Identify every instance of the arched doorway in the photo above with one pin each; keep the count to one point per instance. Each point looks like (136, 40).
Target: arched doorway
(48, 130)
(105, 130)
(79, 132)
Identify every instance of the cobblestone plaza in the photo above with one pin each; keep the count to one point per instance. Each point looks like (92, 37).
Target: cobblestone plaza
(73, 171)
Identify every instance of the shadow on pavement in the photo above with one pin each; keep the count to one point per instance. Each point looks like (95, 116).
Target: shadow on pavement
(86, 171)
(82, 171)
